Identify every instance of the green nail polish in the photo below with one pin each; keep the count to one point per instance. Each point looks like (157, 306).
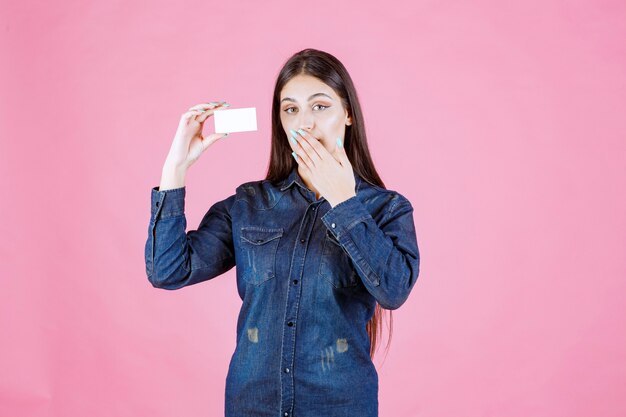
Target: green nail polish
(301, 131)
(295, 155)
(293, 140)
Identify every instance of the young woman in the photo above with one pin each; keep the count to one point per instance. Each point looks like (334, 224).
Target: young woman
(320, 246)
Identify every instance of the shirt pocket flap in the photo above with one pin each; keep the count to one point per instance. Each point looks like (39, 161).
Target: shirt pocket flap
(259, 235)
(332, 238)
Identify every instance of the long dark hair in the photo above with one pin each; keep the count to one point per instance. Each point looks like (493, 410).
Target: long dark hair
(331, 71)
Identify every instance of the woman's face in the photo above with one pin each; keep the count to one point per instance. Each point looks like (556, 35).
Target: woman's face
(308, 103)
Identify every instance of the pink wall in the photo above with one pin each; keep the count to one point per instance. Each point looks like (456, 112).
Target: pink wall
(504, 124)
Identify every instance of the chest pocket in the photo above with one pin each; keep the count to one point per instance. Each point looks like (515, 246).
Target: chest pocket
(259, 246)
(335, 264)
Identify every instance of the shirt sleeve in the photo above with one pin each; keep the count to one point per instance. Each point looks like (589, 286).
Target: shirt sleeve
(176, 258)
(385, 255)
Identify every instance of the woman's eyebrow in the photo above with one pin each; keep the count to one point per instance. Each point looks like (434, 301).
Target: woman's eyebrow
(310, 98)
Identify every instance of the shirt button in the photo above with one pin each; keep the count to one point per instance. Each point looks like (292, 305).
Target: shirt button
(287, 370)
(290, 324)
(295, 282)
(157, 204)
(332, 225)
(302, 240)
(286, 414)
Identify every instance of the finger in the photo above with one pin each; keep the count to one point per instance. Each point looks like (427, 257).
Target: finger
(298, 150)
(309, 145)
(293, 139)
(208, 110)
(297, 156)
(303, 155)
(207, 113)
(314, 143)
(209, 105)
(199, 109)
(189, 115)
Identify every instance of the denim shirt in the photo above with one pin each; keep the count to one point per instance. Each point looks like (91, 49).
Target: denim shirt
(308, 275)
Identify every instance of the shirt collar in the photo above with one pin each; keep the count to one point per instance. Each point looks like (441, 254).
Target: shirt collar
(294, 178)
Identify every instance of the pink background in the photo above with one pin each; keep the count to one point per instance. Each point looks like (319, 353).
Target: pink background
(503, 122)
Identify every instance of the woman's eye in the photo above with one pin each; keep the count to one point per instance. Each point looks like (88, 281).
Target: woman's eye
(293, 108)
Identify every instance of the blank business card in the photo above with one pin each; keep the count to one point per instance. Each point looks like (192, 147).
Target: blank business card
(235, 120)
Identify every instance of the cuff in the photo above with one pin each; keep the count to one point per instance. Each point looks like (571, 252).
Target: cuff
(344, 215)
(167, 203)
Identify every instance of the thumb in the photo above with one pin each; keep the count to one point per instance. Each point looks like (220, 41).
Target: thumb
(212, 138)
(340, 152)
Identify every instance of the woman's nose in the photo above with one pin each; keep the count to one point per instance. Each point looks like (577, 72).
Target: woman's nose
(306, 123)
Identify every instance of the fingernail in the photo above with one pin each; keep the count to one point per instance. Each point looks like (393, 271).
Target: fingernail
(295, 155)
(293, 140)
(301, 132)
(339, 142)
(226, 104)
(293, 132)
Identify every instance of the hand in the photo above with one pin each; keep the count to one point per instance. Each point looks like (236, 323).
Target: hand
(330, 173)
(188, 142)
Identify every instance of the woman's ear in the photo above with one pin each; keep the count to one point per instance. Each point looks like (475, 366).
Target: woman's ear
(348, 117)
